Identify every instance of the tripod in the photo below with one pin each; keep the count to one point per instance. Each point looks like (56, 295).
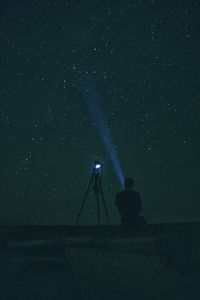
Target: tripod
(95, 186)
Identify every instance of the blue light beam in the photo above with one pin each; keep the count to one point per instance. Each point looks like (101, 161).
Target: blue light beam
(96, 112)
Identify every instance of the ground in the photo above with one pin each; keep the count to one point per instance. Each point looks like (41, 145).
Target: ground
(101, 268)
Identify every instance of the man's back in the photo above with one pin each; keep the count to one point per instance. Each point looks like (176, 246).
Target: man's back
(129, 204)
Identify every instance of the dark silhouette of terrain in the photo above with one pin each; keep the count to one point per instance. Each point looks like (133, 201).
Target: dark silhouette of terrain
(66, 262)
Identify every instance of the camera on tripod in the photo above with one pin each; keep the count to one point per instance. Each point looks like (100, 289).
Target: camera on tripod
(95, 186)
(97, 165)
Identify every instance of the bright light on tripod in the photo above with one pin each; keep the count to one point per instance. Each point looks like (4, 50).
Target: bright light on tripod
(97, 165)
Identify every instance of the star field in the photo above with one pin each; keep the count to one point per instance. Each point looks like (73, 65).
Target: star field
(144, 57)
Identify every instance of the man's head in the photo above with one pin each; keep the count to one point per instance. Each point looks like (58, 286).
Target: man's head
(128, 183)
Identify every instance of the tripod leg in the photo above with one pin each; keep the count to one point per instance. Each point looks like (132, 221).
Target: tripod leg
(98, 208)
(104, 203)
(84, 200)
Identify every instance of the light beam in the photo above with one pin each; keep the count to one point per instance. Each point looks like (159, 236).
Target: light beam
(96, 112)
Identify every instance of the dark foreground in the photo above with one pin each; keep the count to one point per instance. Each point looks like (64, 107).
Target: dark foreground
(84, 263)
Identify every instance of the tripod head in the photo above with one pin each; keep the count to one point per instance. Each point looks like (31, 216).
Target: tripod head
(96, 179)
(97, 165)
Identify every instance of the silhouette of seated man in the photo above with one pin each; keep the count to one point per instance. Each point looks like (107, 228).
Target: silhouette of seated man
(129, 204)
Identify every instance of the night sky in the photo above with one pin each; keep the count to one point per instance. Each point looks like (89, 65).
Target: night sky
(144, 60)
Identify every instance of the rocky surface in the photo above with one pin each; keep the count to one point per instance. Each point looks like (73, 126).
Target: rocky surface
(162, 264)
